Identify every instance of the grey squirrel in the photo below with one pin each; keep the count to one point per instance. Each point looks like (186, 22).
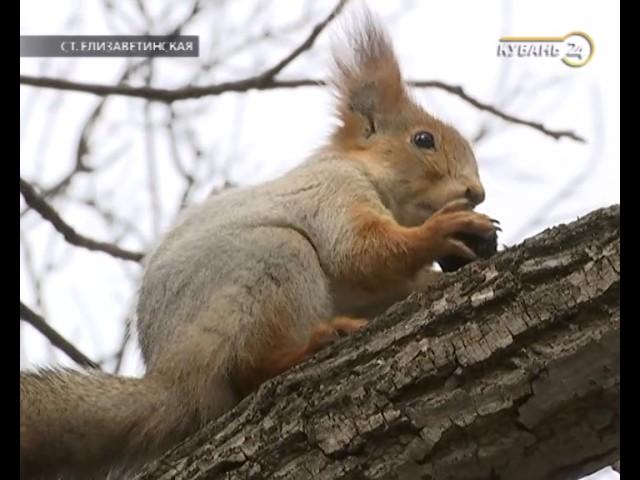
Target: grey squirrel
(255, 280)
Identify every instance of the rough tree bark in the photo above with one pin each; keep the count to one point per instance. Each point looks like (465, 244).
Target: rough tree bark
(506, 369)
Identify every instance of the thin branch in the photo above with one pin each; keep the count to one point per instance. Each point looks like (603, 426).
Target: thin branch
(188, 177)
(259, 83)
(270, 74)
(571, 186)
(459, 91)
(126, 338)
(226, 53)
(82, 149)
(39, 204)
(118, 355)
(40, 324)
(150, 160)
(120, 225)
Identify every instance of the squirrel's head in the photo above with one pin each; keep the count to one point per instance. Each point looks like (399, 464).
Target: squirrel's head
(418, 162)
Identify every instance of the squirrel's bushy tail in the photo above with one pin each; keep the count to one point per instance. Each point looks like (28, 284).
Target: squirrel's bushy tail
(93, 421)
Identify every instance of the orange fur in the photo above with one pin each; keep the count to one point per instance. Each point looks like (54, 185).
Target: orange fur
(286, 355)
(378, 118)
(384, 253)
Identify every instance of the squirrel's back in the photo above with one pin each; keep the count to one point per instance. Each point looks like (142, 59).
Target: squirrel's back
(233, 240)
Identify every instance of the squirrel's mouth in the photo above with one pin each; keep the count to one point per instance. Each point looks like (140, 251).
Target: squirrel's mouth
(428, 208)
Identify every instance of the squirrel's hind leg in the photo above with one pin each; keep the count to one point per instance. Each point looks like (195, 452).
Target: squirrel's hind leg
(286, 356)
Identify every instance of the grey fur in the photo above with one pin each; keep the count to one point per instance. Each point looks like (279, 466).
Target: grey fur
(245, 244)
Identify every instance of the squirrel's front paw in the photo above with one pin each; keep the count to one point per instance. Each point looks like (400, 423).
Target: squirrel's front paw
(456, 231)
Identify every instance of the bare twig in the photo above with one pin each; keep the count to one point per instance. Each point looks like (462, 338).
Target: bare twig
(32, 275)
(118, 356)
(189, 177)
(82, 149)
(228, 52)
(262, 81)
(40, 324)
(459, 91)
(126, 338)
(571, 186)
(270, 74)
(118, 224)
(39, 204)
(150, 158)
(259, 83)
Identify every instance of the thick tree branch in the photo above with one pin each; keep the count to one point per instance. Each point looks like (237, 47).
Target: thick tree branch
(507, 368)
(40, 205)
(264, 82)
(40, 324)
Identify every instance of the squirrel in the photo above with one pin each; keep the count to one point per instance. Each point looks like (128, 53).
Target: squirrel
(255, 280)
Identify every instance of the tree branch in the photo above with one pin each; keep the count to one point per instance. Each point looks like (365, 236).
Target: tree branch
(82, 148)
(459, 91)
(40, 324)
(507, 368)
(271, 73)
(261, 82)
(40, 205)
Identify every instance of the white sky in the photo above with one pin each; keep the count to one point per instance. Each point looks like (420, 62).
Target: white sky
(86, 297)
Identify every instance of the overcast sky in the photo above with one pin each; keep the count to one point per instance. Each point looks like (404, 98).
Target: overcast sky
(532, 181)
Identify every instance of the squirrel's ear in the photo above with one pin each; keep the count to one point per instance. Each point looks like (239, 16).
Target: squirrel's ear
(366, 77)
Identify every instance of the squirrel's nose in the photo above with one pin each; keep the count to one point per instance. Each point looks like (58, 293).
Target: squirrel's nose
(475, 194)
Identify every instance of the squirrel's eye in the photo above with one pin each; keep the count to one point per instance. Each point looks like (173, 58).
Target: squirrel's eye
(424, 140)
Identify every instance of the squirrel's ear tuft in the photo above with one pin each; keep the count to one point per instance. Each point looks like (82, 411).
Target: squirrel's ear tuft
(366, 78)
